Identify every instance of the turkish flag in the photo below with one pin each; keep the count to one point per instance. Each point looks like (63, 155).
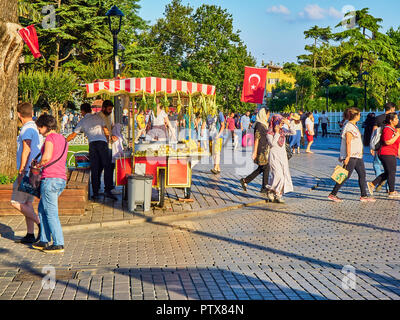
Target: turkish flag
(30, 37)
(255, 80)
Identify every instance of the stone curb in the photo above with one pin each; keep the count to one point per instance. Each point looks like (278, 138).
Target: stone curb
(162, 219)
(176, 217)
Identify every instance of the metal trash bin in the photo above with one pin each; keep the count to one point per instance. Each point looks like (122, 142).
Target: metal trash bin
(139, 191)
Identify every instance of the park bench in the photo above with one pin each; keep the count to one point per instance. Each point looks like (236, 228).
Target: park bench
(72, 202)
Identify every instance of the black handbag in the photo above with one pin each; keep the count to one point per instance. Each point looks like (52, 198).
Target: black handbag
(31, 183)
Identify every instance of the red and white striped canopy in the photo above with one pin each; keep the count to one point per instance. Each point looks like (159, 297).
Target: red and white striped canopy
(150, 85)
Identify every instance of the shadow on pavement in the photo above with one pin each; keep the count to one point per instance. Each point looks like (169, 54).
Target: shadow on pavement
(291, 255)
(303, 215)
(6, 232)
(214, 283)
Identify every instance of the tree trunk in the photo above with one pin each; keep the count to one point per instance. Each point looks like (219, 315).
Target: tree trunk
(11, 45)
(55, 109)
(58, 46)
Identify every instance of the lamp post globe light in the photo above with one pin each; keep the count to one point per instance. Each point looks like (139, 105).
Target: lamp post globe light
(326, 84)
(114, 16)
(365, 75)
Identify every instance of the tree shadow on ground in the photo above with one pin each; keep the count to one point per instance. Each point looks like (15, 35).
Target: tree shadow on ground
(213, 284)
(291, 255)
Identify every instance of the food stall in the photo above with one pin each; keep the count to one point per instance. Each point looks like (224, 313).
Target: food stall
(170, 163)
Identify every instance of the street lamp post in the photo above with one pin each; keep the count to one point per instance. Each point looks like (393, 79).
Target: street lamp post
(326, 84)
(365, 75)
(114, 16)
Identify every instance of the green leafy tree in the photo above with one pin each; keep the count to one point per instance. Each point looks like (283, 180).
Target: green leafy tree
(321, 37)
(81, 34)
(56, 88)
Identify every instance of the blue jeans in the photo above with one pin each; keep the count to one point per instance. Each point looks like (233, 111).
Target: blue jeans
(378, 167)
(50, 190)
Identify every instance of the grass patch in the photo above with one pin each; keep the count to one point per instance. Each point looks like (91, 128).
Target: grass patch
(75, 149)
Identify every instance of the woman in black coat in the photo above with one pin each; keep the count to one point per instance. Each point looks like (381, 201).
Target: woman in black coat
(368, 126)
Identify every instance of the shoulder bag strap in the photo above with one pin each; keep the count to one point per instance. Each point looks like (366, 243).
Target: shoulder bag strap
(62, 154)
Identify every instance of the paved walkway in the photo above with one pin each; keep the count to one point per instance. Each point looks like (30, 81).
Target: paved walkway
(211, 194)
(266, 251)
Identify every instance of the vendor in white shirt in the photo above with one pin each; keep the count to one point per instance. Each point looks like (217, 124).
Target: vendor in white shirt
(160, 124)
(94, 127)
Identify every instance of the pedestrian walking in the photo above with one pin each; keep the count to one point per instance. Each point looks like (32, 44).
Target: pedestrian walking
(295, 139)
(54, 180)
(309, 130)
(389, 107)
(29, 143)
(368, 127)
(231, 124)
(217, 127)
(303, 117)
(280, 181)
(202, 137)
(64, 122)
(260, 152)
(324, 120)
(351, 154)
(245, 123)
(388, 153)
(316, 123)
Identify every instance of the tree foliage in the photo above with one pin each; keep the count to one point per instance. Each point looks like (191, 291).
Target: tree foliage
(343, 57)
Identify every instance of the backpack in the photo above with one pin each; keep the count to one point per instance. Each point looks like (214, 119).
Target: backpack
(376, 139)
(375, 143)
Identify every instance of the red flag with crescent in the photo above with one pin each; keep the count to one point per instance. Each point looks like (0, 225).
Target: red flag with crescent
(30, 37)
(255, 80)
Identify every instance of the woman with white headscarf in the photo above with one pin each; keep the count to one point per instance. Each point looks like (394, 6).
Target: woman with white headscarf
(260, 152)
(280, 181)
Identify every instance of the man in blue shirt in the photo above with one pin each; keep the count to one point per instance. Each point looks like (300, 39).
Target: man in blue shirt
(29, 143)
(245, 123)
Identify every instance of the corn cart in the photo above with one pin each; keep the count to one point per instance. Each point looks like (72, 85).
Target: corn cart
(170, 163)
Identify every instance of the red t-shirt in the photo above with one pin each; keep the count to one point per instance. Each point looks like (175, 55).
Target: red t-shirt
(392, 150)
(231, 124)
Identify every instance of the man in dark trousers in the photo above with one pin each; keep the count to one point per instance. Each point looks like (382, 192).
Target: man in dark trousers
(94, 127)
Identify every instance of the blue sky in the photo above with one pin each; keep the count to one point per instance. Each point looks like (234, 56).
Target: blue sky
(273, 30)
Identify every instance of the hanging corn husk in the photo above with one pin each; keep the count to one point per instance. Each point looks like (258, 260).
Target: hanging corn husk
(190, 107)
(154, 103)
(143, 103)
(205, 111)
(179, 105)
(165, 101)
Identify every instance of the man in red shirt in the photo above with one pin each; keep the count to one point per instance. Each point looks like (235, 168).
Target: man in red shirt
(230, 121)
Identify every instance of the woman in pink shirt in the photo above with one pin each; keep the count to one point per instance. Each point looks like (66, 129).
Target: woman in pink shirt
(54, 179)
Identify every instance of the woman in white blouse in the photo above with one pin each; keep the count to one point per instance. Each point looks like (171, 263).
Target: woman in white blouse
(160, 124)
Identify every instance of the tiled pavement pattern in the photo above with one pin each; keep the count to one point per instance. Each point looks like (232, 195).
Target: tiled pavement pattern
(293, 251)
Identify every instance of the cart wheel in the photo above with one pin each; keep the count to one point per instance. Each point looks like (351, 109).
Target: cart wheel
(161, 191)
(187, 192)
